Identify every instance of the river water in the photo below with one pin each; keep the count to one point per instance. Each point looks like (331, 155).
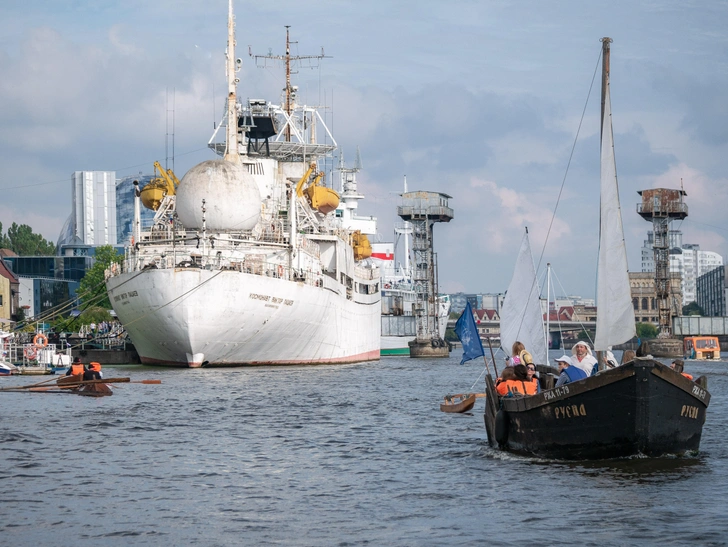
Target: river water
(329, 455)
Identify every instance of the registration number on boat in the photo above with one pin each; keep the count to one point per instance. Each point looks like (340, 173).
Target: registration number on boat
(698, 392)
(556, 392)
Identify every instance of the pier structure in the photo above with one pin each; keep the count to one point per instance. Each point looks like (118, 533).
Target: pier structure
(422, 210)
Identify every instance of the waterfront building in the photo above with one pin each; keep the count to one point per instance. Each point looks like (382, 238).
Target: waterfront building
(489, 301)
(9, 285)
(93, 209)
(686, 260)
(644, 296)
(712, 292)
(46, 282)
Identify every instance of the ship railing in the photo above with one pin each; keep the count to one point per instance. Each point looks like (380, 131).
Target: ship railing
(252, 264)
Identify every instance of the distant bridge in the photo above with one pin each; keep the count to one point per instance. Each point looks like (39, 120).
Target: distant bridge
(554, 326)
(686, 325)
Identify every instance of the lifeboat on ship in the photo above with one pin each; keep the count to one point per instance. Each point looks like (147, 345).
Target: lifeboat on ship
(362, 246)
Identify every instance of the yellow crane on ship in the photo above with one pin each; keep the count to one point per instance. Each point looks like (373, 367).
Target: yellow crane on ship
(163, 184)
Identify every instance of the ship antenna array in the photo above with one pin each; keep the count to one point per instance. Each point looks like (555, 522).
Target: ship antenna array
(261, 61)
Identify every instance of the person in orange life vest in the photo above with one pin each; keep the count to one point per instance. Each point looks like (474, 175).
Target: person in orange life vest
(76, 367)
(678, 365)
(520, 384)
(93, 372)
(506, 375)
(569, 372)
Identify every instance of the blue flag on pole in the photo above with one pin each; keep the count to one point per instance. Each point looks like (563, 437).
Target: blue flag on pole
(468, 334)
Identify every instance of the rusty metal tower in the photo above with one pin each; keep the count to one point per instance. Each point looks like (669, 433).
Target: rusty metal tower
(422, 210)
(661, 206)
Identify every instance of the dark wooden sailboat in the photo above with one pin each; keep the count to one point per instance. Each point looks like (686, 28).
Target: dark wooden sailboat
(641, 407)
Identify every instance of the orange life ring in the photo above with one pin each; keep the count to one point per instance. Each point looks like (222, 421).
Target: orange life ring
(280, 270)
(29, 352)
(40, 340)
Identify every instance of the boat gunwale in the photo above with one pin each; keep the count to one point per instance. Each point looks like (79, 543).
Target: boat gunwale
(547, 397)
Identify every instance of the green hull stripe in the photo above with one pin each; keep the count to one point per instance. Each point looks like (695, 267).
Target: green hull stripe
(395, 351)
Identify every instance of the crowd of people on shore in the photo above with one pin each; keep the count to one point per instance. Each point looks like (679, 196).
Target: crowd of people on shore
(520, 378)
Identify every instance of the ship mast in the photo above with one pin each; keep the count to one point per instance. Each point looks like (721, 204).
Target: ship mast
(289, 102)
(232, 154)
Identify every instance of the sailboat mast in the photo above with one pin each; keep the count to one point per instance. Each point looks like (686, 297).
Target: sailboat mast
(605, 71)
(548, 307)
(232, 153)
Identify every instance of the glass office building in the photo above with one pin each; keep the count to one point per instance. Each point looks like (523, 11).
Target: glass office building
(125, 207)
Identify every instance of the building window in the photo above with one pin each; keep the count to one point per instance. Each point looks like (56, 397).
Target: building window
(635, 304)
(644, 303)
(1, 299)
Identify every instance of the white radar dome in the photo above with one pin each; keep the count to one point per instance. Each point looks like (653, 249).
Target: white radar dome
(232, 198)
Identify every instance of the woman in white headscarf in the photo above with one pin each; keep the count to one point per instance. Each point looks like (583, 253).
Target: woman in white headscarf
(583, 358)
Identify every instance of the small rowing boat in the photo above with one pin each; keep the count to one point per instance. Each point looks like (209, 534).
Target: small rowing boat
(77, 386)
(461, 402)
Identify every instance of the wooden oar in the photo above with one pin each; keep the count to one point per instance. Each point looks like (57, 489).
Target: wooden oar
(29, 385)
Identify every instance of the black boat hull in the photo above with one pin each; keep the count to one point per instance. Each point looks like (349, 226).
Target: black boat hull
(642, 407)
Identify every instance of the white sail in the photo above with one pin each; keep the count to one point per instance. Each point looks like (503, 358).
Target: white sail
(521, 318)
(615, 317)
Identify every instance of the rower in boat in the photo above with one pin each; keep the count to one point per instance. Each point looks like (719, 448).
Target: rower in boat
(76, 368)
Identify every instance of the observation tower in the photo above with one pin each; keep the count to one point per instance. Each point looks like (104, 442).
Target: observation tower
(422, 210)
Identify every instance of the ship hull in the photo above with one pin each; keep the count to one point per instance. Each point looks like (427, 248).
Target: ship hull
(190, 317)
(639, 408)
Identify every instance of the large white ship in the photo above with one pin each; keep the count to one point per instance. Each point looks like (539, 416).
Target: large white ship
(247, 262)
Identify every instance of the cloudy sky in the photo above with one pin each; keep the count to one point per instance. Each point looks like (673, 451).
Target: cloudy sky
(479, 99)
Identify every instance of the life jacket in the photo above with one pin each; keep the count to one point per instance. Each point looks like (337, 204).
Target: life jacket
(688, 376)
(518, 386)
(95, 366)
(77, 368)
(575, 373)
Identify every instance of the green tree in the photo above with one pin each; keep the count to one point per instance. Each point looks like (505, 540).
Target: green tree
(92, 289)
(4, 241)
(585, 336)
(646, 330)
(23, 241)
(692, 309)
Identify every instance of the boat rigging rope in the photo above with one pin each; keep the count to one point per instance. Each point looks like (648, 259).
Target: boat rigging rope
(485, 370)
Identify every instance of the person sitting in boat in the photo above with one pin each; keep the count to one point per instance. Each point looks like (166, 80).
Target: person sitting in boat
(628, 356)
(533, 376)
(96, 367)
(678, 366)
(76, 367)
(505, 375)
(519, 385)
(93, 372)
(515, 358)
(582, 358)
(569, 372)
